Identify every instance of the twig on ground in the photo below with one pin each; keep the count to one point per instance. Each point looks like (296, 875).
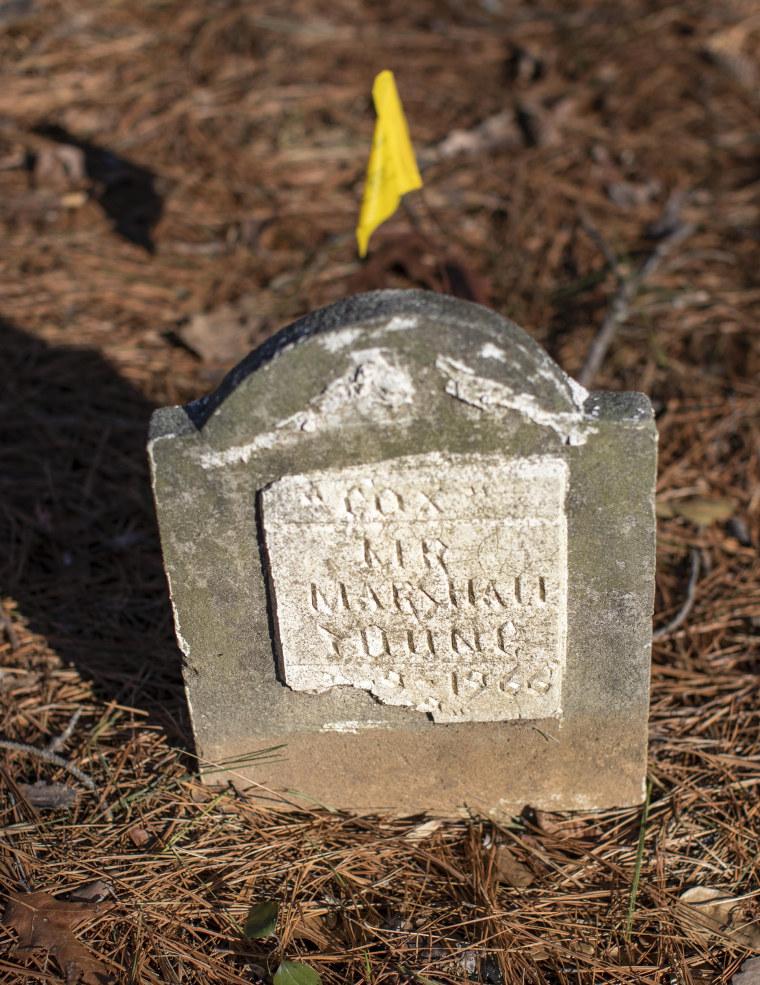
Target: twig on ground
(685, 609)
(604, 247)
(55, 745)
(49, 757)
(620, 308)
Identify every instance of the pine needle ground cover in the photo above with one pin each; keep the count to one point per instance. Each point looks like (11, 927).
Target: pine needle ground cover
(178, 181)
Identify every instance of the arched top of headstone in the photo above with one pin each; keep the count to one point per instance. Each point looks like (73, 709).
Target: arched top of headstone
(380, 354)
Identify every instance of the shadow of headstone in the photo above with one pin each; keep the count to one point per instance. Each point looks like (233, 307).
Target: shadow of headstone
(125, 191)
(79, 549)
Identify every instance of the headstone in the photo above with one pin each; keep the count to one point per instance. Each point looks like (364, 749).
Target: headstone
(404, 548)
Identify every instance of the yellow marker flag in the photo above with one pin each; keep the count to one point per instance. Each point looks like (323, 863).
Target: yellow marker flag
(392, 169)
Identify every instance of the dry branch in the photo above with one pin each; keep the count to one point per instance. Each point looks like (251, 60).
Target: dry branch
(620, 307)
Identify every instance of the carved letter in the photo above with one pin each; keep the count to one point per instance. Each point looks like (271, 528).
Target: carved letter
(388, 502)
(368, 600)
(356, 501)
(320, 602)
(428, 506)
(505, 637)
(402, 596)
(420, 642)
(332, 638)
(375, 641)
(492, 598)
(433, 551)
(371, 557)
(460, 644)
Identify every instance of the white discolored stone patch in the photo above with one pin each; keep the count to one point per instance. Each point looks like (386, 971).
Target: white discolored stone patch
(437, 583)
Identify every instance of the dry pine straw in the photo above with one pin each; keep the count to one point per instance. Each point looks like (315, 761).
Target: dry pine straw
(244, 134)
(184, 864)
(405, 896)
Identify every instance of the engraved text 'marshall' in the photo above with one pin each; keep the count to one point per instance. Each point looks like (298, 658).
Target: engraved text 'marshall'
(435, 583)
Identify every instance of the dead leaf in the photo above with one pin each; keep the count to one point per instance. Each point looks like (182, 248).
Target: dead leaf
(60, 166)
(311, 926)
(696, 509)
(567, 827)
(11, 680)
(732, 49)
(538, 952)
(49, 796)
(703, 912)
(91, 892)
(42, 921)
(630, 194)
(704, 511)
(139, 836)
(225, 335)
(510, 871)
(494, 133)
(74, 200)
(421, 831)
(749, 974)
(581, 947)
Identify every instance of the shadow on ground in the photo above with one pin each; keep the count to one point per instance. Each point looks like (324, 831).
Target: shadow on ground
(125, 191)
(79, 547)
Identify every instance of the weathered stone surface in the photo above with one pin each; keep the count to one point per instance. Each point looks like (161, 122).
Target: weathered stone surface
(435, 582)
(403, 545)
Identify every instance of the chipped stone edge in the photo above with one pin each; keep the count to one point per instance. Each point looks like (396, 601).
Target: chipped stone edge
(375, 382)
(464, 384)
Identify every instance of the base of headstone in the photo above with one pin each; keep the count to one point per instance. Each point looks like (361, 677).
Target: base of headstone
(495, 769)
(412, 567)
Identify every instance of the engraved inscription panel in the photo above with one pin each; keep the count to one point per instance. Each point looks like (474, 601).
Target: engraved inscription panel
(434, 582)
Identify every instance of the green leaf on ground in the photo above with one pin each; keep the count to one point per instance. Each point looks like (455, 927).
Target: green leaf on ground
(261, 919)
(295, 973)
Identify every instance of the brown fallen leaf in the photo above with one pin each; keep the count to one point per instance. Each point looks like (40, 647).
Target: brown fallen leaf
(703, 912)
(509, 870)
(422, 831)
(494, 133)
(42, 921)
(566, 827)
(227, 334)
(139, 836)
(59, 166)
(311, 925)
(91, 892)
(696, 509)
(49, 796)
(734, 50)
